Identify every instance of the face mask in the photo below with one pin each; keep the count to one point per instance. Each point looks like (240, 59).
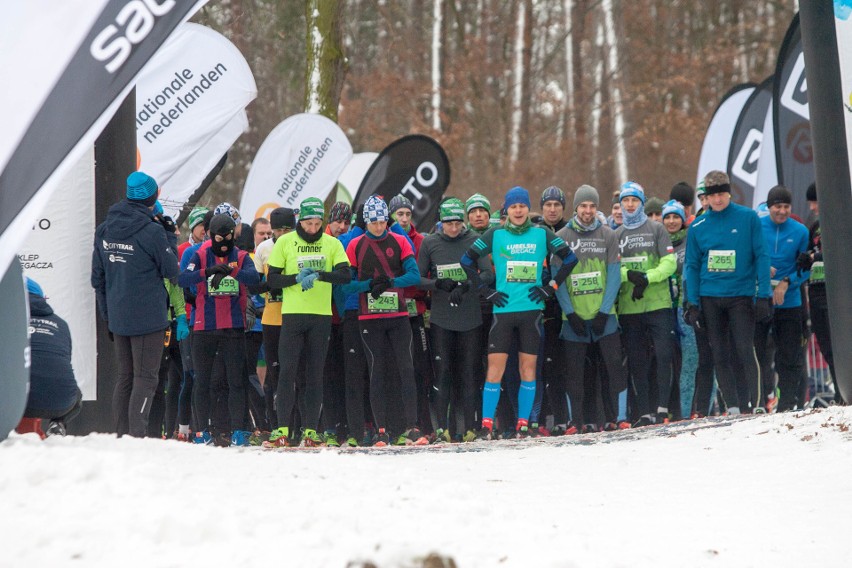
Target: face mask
(222, 248)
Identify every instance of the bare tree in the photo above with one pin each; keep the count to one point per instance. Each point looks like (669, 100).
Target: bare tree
(325, 60)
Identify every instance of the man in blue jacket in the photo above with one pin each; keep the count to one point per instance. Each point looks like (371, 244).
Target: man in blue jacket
(785, 240)
(131, 258)
(725, 259)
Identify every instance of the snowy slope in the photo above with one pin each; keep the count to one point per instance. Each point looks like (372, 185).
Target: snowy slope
(757, 492)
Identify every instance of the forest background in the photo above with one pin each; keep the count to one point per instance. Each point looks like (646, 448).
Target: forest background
(518, 92)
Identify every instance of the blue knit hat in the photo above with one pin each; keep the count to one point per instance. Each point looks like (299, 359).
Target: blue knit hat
(553, 193)
(375, 209)
(674, 206)
(631, 188)
(517, 195)
(34, 288)
(400, 202)
(158, 208)
(141, 187)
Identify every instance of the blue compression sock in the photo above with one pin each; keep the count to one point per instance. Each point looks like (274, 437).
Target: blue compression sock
(526, 396)
(490, 398)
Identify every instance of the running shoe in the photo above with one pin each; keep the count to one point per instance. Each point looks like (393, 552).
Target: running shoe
(414, 436)
(202, 438)
(645, 420)
(558, 430)
(485, 433)
(182, 437)
(258, 437)
(222, 440)
(469, 436)
(610, 427)
(571, 429)
(624, 425)
(240, 438)
(382, 439)
(351, 442)
(522, 433)
(442, 436)
(56, 428)
(278, 438)
(310, 439)
(772, 403)
(662, 418)
(590, 428)
(331, 440)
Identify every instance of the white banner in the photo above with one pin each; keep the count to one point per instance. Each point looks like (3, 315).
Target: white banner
(302, 157)
(717, 141)
(190, 108)
(353, 174)
(767, 167)
(57, 254)
(843, 23)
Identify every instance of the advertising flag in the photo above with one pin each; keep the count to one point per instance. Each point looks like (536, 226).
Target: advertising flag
(717, 142)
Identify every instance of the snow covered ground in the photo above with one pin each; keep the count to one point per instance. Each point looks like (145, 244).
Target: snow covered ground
(766, 491)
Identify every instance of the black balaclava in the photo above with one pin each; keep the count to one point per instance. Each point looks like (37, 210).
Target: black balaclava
(222, 225)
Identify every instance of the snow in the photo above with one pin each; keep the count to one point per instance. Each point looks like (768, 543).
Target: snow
(765, 491)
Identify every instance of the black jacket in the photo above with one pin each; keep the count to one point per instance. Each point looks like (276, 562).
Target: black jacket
(52, 384)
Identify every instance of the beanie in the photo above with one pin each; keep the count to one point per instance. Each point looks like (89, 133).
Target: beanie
(632, 189)
(452, 209)
(246, 239)
(196, 216)
(282, 218)
(340, 211)
(553, 193)
(700, 189)
(654, 205)
(141, 187)
(222, 224)
(683, 192)
(158, 208)
(586, 193)
(779, 194)
(810, 194)
(229, 210)
(717, 182)
(494, 219)
(674, 206)
(311, 208)
(400, 202)
(477, 200)
(375, 209)
(34, 288)
(517, 195)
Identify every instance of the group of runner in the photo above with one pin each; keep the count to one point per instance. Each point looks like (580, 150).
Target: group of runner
(499, 323)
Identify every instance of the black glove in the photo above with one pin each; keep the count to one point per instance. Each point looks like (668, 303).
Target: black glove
(380, 284)
(223, 269)
(762, 310)
(692, 316)
(168, 224)
(446, 284)
(499, 299)
(639, 281)
(599, 323)
(540, 293)
(577, 323)
(458, 293)
(251, 315)
(804, 262)
(217, 279)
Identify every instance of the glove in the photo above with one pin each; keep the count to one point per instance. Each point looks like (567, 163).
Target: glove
(762, 310)
(182, 328)
(379, 285)
(217, 279)
(599, 323)
(540, 293)
(302, 273)
(308, 281)
(223, 269)
(168, 224)
(499, 299)
(804, 262)
(577, 324)
(251, 315)
(458, 293)
(446, 284)
(692, 317)
(639, 281)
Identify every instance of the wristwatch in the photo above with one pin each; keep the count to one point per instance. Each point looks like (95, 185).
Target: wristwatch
(786, 279)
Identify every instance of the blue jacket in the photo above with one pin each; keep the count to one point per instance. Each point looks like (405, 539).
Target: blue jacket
(52, 383)
(130, 259)
(735, 228)
(785, 242)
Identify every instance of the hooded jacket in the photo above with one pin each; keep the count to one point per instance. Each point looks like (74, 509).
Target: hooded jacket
(52, 383)
(131, 257)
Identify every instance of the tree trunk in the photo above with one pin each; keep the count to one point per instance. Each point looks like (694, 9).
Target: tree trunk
(613, 62)
(518, 87)
(326, 64)
(437, 20)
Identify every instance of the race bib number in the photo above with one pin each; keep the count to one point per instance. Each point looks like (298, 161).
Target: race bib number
(818, 272)
(227, 287)
(453, 271)
(586, 283)
(387, 303)
(315, 261)
(411, 305)
(521, 271)
(634, 262)
(722, 261)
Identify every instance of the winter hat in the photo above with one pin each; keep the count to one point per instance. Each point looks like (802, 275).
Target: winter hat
(375, 209)
(282, 218)
(700, 189)
(141, 187)
(34, 288)
(494, 219)
(477, 200)
(399, 202)
(517, 195)
(810, 194)
(674, 206)
(246, 239)
(553, 193)
(229, 210)
(586, 193)
(158, 208)
(196, 216)
(631, 188)
(654, 205)
(779, 194)
(683, 192)
(452, 209)
(717, 182)
(311, 208)
(222, 224)
(340, 211)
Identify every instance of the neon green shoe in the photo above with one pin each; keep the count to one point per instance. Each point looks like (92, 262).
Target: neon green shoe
(331, 440)
(310, 439)
(280, 438)
(352, 442)
(442, 436)
(469, 436)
